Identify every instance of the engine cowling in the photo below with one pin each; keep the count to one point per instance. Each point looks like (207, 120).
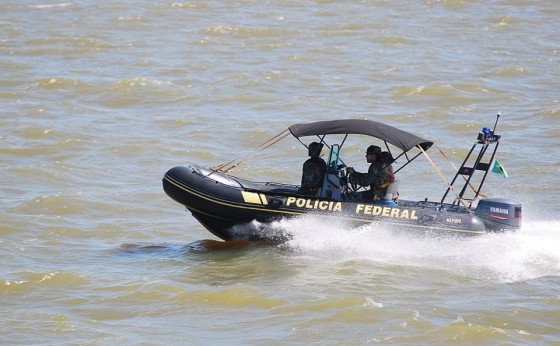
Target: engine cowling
(500, 214)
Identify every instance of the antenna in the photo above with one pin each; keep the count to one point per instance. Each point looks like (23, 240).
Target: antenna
(496, 123)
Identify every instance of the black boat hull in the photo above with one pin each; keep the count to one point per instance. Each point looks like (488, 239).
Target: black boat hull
(233, 208)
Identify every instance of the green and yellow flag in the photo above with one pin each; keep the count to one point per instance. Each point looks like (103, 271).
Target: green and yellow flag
(498, 168)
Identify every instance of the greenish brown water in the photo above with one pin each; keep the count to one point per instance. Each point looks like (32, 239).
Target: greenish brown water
(99, 100)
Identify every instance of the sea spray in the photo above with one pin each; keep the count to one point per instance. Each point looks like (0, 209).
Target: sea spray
(530, 253)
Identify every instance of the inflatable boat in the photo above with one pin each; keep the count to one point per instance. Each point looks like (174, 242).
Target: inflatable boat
(234, 208)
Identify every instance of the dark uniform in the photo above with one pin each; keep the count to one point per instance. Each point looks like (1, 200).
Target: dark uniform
(313, 171)
(376, 178)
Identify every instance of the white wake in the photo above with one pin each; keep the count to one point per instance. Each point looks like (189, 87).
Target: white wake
(532, 252)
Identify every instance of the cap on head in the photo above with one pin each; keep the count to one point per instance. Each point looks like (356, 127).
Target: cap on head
(373, 149)
(315, 149)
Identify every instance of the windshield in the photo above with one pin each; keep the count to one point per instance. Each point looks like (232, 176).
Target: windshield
(334, 157)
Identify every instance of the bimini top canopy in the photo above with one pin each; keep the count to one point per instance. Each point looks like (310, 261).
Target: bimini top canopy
(399, 138)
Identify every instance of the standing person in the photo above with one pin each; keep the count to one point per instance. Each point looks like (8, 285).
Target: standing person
(313, 171)
(377, 174)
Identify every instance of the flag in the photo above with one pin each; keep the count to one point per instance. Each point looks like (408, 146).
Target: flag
(498, 168)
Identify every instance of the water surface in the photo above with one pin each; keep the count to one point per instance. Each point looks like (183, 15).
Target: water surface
(99, 100)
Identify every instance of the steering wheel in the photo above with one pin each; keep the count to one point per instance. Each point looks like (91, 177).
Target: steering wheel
(352, 183)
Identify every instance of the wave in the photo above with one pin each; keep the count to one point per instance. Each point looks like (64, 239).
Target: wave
(527, 254)
(49, 6)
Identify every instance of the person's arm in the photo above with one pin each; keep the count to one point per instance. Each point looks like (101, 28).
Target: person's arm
(365, 179)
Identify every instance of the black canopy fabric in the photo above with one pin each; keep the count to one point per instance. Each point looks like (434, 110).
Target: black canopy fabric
(399, 138)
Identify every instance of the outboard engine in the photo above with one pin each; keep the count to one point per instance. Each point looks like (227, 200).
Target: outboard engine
(499, 214)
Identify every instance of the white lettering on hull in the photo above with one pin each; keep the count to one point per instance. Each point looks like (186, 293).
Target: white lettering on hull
(365, 209)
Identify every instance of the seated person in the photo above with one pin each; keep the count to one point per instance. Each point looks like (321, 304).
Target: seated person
(387, 160)
(313, 171)
(375, 178)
